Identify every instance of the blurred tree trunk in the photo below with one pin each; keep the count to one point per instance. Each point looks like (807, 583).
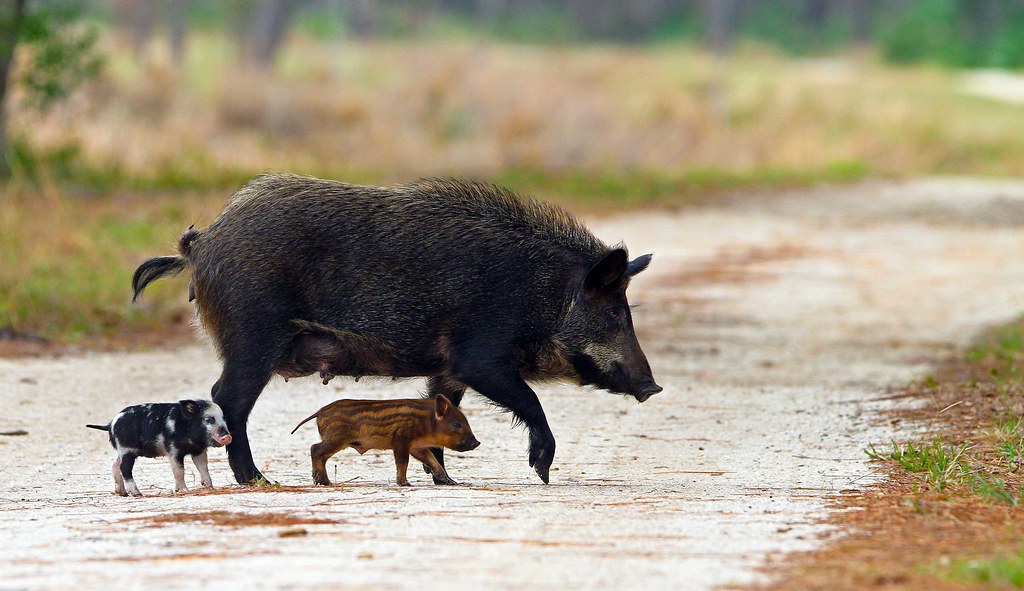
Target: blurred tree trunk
(12, 16)
(488, 11)
(363, 18)
(141, 18)
(860, 16)
(815, 13)
(269, 25)
(177, 17)
(722, 17)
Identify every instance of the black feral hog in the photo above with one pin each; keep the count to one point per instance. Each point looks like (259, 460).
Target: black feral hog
(409, 427)
(464, 283)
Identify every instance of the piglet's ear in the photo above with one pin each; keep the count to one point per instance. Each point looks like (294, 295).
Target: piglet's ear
(188, 407)
(442, 406)
(607, 274)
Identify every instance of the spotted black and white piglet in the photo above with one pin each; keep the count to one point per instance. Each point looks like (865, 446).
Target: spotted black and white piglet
(172, 429)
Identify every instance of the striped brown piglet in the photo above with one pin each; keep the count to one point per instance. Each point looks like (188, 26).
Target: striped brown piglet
(410, 427)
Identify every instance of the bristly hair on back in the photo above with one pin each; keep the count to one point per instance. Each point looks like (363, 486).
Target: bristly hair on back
(521, 215)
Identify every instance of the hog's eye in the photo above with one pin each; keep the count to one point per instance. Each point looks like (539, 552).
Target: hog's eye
(456, 425)
(615, 314)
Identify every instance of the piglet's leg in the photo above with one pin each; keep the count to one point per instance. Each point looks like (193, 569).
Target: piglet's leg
(127, 461)
(178, 467)
(200, 461)
(401, 464)
(436, 469)
(118, 479)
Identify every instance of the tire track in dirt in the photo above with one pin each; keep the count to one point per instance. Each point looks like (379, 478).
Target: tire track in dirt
(775, 324)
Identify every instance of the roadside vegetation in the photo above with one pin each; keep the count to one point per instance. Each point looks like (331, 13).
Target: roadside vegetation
(151, 145)
(948, 514)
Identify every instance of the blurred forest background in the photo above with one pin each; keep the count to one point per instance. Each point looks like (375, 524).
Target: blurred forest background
(125, 121)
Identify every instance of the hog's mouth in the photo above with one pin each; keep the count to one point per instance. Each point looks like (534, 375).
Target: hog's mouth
(467, 445)
(615, 381)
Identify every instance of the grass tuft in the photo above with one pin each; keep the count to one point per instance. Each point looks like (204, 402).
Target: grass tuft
(990, 571)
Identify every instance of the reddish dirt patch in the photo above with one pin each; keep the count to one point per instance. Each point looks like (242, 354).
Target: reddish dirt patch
(901, 532)
(231, 519)
(735, 266)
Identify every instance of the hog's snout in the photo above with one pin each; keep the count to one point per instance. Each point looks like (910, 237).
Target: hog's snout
(468, 444)
(646, 391)
(222, 439)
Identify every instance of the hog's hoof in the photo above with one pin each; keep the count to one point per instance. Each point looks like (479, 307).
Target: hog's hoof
(403, 483)
(319, 480)
(444, 481)
(542, 454)
(251, 476)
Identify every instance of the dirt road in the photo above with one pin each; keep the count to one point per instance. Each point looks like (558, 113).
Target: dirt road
(774, 323)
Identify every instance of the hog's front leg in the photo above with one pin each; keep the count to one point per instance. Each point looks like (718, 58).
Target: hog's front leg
(200, 460)
(426, 456)
(178, 467)
(401, 464)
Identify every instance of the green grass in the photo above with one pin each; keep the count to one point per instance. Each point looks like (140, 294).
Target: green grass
(1003, 351)
(940, 462)
(630, 188)
(1003, 570)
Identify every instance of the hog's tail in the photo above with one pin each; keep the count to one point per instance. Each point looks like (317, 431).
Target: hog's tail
(157, 267)
(304, 421)
(100, 427)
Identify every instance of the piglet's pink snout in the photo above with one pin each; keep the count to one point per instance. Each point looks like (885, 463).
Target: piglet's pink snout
(224, 440)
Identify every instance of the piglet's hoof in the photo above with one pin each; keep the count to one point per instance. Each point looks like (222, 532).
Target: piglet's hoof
(403, 483)
(444, 480)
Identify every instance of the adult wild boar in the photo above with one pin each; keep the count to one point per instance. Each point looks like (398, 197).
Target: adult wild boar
(464, 283)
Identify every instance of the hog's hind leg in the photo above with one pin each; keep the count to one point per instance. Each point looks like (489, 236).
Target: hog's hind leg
(320, 453)
(118, 479)
(245, 375)
(127, 462)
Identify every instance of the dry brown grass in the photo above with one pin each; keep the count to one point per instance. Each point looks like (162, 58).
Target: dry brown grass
(402, 109)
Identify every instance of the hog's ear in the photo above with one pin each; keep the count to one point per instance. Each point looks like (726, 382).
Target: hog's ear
(608, 272)
(638, 264)
(188, 407)
(442, 406)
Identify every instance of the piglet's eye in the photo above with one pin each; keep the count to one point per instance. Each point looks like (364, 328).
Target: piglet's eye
(210, 420)
(456, 425)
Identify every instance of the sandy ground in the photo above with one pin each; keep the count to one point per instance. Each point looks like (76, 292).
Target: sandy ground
(775, 324)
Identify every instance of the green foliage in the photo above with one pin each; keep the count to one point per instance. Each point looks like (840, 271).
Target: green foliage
(62, 53)
(651, 187)
(939, 461)
(781, 24)
(957, 34)
(999, 570)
